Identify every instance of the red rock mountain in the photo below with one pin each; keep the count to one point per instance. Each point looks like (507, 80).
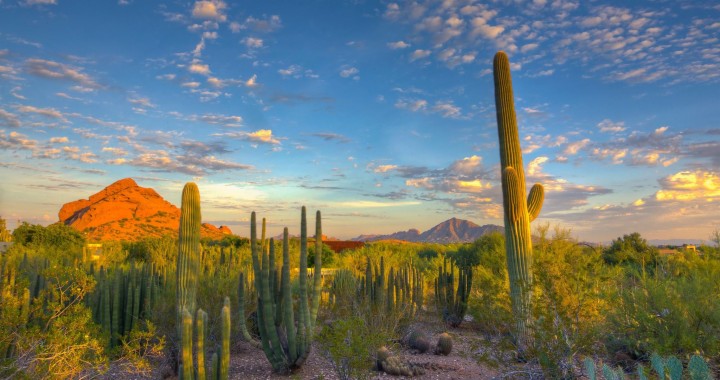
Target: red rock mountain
(126, 211)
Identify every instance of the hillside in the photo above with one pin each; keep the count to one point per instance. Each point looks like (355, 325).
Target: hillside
(450, 231)
(126, 211)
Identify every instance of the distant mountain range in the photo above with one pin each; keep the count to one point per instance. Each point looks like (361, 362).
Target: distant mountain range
(453, 230)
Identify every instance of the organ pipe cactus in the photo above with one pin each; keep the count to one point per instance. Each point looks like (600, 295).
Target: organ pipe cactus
(453, 302)
(518, 211)
(286, 343)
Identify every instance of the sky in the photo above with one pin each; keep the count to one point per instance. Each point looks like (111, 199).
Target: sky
(378, 113)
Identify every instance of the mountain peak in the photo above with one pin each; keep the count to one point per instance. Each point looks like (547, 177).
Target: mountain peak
(453, 230)
(126, 211)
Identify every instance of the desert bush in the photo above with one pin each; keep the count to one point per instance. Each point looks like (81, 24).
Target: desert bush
(674, 311)
(140, 347)
(569, 301)
(489, 302)
(351, 342)
(60, 339)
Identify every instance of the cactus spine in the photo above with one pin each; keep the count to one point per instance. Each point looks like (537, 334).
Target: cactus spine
(286, 343)
(518, 212)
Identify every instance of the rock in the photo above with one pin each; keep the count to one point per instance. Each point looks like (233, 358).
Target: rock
(126, 211)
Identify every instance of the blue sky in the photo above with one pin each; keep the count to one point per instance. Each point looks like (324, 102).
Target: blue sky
(380, 114)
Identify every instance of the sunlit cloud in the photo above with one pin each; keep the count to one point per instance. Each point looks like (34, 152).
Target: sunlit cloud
(47, 112)
(58, 71)
(373, 204)
(608, 125)
(690, 185)
(212, 10)
(9, 119)
(398, 45)
(199, 68)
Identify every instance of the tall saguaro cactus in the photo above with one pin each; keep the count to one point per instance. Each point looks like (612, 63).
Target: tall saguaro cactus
(518, 211)
(286, 335)
(188, 259)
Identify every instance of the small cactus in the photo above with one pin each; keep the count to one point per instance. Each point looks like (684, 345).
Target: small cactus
(382, 354)
(397, 366)
(417, 340)
(698, 368)
(444, 344)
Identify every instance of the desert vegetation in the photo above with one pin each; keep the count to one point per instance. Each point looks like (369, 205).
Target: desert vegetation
(529, 303)
(623, 307)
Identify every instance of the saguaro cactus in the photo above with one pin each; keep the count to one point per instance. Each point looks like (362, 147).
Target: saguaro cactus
(518, 212)
(188, 259)
(286, 343)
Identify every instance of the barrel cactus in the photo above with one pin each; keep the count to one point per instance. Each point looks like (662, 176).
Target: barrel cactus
(444, 344)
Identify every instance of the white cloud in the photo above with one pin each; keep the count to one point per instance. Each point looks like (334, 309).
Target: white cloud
(413, 105)
(40, 2)
(608, 125)
(447, 109)
(574, 147)
(142, 102)
(419, 54)
(467, 166)
(252, 42)
(481, 28)
(348, 72)
(398, 45)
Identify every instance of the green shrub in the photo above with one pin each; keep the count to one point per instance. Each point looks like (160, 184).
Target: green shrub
(351, 344)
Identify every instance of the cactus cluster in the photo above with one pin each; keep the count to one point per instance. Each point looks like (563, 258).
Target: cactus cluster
(399, 291)
(395, 365)
(518, 212)
(122, 297)
(451, 296)
(665, 368)
(16, 300)
(286, 331)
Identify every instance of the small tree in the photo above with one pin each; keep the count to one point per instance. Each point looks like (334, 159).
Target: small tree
(631, 250)
(5, 235)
